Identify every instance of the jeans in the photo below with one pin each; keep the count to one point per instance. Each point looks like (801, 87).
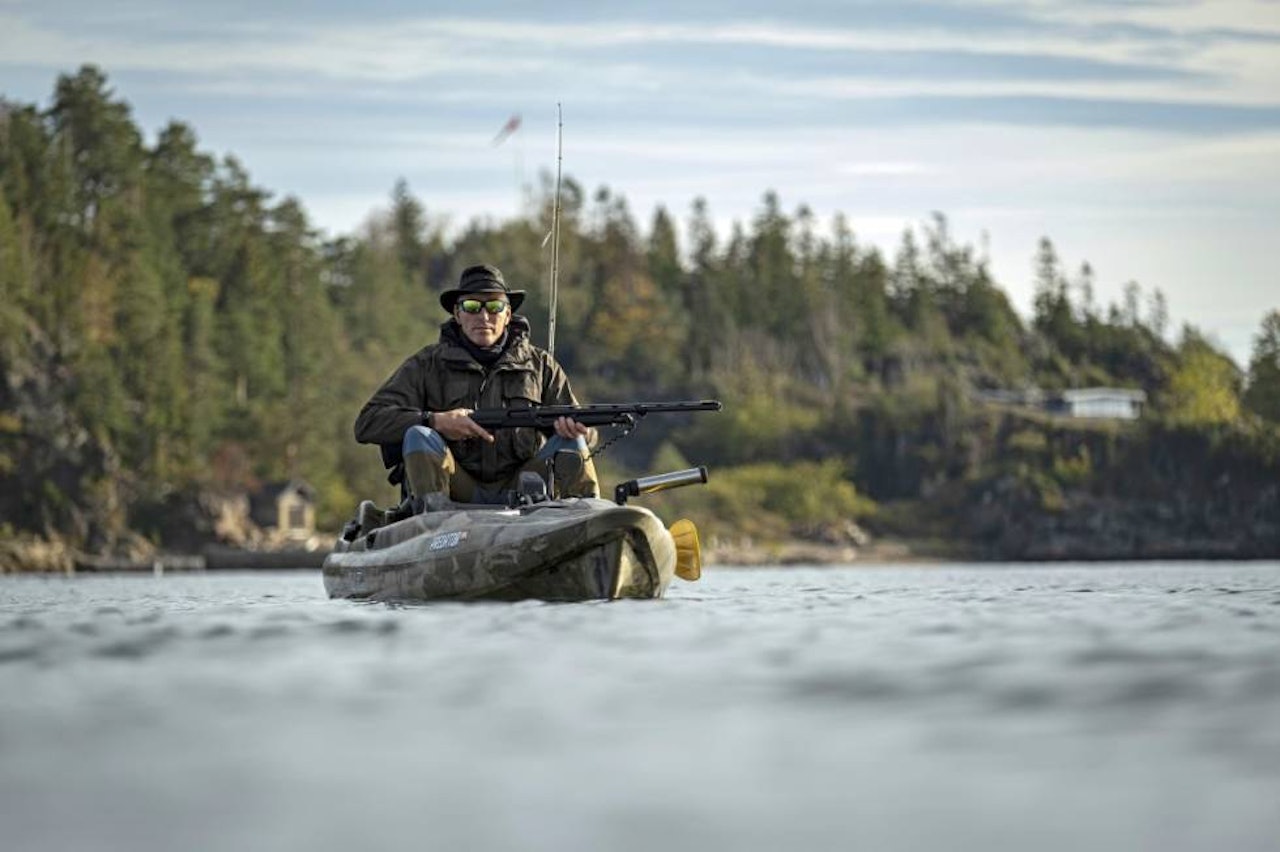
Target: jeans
(424, 439)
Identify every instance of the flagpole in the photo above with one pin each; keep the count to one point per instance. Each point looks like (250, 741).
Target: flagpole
(517, 157)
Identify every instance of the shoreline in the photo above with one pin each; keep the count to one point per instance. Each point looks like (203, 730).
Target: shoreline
(800, 552)
(30, 555)
(54, 561)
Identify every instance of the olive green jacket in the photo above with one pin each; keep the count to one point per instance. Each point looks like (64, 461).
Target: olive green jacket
(443, 376)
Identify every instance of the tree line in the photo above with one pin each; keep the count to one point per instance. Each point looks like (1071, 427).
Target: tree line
(159, 307)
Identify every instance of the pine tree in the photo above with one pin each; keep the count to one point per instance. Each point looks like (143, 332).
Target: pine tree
(779, 304)
(15, 285)
(1262, 394)
(712, 313)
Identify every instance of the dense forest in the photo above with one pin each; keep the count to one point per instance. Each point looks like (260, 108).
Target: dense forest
(167, 328)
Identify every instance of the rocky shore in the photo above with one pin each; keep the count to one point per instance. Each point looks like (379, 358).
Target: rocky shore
(746, 552)
(31, 555)
(997, 523)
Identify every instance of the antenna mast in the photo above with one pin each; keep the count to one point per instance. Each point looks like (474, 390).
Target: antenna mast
(555, 235)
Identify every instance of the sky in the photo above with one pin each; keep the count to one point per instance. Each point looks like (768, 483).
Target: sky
(1140, 136)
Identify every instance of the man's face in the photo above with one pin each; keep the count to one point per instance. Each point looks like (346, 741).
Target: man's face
(482, 327)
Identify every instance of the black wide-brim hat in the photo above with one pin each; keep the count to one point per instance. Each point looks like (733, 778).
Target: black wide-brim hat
(481, 279)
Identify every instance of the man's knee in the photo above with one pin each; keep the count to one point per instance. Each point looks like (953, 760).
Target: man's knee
(428, 464)
(556, 443)
(573, 472)
(423, 439)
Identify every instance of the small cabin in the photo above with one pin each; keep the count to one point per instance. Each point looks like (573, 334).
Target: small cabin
(1100, 403)
(287, 509)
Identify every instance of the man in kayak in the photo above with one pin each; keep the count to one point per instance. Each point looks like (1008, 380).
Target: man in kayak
(484, 360)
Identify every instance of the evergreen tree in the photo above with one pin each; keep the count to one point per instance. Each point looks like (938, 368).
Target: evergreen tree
(97, 270)
(1262, 395)
(822, 351)
(302, 426)
(408, 224)
(15, 283)
(632, 332)
(147, 352)
(1052, 312)
(96, 133)
(208, 393)
(250, 334)
(663, 255)
(180, 183)
(709, 314)
(773, 269)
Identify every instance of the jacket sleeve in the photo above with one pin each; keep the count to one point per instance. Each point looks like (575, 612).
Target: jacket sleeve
(394, 407)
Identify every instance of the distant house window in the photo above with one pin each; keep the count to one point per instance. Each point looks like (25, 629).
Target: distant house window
(297, 516)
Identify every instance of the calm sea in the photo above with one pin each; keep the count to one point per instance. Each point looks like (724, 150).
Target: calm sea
(947, 707)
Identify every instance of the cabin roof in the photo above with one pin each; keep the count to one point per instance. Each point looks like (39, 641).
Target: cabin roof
(275, 490)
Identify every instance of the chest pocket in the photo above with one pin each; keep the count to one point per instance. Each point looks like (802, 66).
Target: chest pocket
(460, 388)
(520, 389)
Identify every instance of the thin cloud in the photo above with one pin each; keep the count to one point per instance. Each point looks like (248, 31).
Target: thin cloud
(414, 49)
(887, 169)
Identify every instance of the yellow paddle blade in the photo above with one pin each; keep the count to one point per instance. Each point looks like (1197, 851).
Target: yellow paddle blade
(688, 550)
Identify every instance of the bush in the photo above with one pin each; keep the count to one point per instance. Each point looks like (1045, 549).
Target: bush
(769, 499)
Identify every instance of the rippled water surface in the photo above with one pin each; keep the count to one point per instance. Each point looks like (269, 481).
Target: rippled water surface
(943, 707)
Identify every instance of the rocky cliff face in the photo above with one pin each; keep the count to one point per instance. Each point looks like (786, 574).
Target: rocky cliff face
(1089, 527)
(58, 483)
(1166, 495)
(65, 498)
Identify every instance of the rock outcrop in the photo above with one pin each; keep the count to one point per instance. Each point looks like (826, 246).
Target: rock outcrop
(57, 480)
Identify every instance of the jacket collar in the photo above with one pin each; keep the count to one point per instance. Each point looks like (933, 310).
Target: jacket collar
(517, 342)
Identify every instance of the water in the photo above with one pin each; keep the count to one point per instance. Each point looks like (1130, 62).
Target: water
(958, 707)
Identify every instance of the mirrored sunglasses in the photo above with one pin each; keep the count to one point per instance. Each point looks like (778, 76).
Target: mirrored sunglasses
(474, 306)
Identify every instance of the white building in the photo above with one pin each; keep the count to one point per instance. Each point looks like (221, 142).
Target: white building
(1102, 403)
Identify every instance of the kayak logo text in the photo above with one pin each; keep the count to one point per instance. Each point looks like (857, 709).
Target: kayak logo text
(444, 541)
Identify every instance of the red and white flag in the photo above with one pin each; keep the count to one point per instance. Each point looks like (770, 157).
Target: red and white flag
(512, 125)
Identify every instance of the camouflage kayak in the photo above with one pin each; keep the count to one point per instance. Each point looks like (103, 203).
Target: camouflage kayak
(558, 550)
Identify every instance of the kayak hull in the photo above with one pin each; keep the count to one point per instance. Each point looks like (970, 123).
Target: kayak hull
(560, 550)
